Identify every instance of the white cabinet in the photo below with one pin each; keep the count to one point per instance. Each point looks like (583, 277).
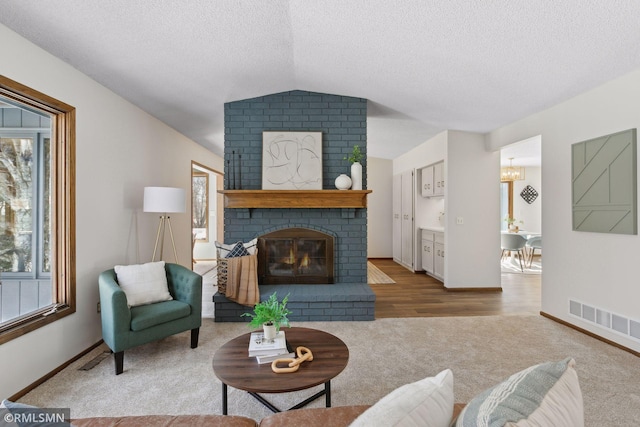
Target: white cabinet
(427, 251)
(432, 181)
(438, 179)
(433, 253)
(438, 261)
(427, 182)
(403, 219)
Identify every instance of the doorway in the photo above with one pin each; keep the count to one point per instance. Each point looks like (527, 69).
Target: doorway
(207, 224)
(521, 202)
(206, 212)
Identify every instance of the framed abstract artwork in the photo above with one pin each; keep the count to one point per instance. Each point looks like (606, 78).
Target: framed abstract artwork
(291, 160)
(603, 184)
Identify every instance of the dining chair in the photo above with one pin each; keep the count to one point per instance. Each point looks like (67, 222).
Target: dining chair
(533, 243)
(513, 242)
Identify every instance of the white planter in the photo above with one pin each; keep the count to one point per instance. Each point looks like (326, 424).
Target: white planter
(269, 332)
(356, 176)
(343, 182)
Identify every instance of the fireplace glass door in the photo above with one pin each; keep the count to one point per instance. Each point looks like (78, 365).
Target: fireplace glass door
(295, 255)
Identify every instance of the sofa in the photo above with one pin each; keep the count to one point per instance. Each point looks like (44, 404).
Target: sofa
(311, 417)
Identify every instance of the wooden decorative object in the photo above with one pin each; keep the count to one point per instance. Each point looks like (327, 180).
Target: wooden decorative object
(304, 354)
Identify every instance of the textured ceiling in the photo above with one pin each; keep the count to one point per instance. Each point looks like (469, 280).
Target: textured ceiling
(424, 65)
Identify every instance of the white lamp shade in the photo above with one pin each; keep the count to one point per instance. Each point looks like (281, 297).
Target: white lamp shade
(164, 199)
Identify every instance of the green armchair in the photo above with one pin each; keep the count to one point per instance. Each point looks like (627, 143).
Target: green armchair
(124, 327)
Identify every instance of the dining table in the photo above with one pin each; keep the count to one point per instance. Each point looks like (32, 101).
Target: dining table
(526, 233)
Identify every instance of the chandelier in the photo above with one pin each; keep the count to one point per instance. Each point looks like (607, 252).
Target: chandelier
(511, 173)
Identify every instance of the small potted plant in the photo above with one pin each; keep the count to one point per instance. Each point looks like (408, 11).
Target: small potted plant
(356, 167)
(510, 224)
(355, 156)
(270, 315)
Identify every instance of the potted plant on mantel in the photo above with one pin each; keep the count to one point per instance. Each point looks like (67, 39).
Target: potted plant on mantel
(270, 315)
(356, 167)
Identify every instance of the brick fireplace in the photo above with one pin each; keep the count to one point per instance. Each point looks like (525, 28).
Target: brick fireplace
(342, 121)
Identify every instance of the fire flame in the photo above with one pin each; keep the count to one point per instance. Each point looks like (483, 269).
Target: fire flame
(291, 259)
(304, 262)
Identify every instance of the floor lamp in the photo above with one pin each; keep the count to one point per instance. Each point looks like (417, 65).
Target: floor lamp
(164, 200)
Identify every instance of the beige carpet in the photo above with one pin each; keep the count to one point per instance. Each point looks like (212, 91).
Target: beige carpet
(375, 276)
(167, 377)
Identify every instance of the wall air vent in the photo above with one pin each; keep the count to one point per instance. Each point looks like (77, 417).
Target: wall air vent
(588, 313)
(634, 330)
(605, 319)
(575, 308)
(620, 324)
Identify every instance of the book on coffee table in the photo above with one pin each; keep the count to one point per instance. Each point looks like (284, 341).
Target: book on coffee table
(258, 346)
(288, 354)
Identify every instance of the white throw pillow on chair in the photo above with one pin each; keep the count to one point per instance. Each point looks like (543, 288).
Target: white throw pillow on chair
(143, 283)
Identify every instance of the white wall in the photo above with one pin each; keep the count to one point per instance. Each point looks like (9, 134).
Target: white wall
(473, 194)
(379, 209)
(429, 152)
(119, 150)
(594, 268)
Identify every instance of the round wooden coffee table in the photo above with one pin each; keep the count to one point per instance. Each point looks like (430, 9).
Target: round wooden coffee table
(233, 366)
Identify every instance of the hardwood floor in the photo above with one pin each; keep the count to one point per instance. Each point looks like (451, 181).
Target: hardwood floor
(419, 295)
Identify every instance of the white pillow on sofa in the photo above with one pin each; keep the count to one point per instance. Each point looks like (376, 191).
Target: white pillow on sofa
(143, 283)
(425, 403)
(542, 395)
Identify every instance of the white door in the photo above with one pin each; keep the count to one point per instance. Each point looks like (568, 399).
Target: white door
(407, 218)
(397, 218)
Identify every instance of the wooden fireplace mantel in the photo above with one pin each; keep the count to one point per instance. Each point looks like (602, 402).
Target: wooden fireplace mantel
(295, 198)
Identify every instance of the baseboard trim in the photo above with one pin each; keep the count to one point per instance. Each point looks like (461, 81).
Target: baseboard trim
(41, 380)
(589, 333)
(473, 289)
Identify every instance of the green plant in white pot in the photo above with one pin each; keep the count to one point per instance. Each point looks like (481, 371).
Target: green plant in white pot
(356, 167)
(270, 315)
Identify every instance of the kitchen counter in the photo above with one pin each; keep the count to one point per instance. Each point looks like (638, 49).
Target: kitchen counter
(436, 229)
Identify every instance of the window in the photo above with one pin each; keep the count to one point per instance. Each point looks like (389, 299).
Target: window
(506, 202)
(37, 203)
(200, 205)
(25, 208)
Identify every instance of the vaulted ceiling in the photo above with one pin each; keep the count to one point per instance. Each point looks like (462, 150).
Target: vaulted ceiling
(424, 65)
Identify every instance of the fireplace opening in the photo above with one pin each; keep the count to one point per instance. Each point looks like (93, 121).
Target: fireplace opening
(295, 256)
